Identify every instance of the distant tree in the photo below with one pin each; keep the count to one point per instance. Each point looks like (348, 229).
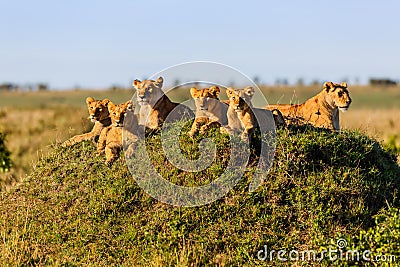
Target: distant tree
(6, 87)
(177, 82)
(42, 87)
(300, 82)
(382, 82)
(256, 79)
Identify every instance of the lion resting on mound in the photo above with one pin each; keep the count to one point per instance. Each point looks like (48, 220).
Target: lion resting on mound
(110, 140)
(210, 112)
(321, 110)
(243, 118)
(154, 104)
(98, 113)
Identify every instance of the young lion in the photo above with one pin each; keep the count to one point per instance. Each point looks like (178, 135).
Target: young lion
(155, 106)
(110, 140)
(98, 113)
(321, 110)
(210, 111)
(243, 118)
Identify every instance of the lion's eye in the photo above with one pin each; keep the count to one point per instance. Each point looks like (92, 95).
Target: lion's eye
(340, 94)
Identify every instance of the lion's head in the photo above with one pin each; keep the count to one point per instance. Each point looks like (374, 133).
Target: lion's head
(205, 99)
(338, 95)
(98, 110)
(117, 112)
(148, 92)
(240, 99)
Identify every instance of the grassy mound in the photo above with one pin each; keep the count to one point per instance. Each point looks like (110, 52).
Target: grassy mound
(74, 210)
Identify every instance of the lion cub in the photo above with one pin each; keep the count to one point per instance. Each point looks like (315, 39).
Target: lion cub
(110, 140)
(210, 111)
(98, 113)
(243, 118)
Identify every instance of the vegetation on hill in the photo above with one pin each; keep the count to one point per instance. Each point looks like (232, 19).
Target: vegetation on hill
(74, 210)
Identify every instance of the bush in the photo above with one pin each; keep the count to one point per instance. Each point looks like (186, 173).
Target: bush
(5, 161)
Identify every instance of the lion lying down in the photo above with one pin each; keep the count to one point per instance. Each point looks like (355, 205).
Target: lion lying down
(321, 110)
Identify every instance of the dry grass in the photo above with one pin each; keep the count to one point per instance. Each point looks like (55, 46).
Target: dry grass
(30, 132)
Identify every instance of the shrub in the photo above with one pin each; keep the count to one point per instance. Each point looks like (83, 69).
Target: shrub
(5, 161)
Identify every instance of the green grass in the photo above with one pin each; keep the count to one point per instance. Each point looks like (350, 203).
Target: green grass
(74, 210)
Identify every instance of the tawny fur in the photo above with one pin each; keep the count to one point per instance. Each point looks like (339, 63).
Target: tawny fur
(98, 113)
(110, 140)
(322, 110)
(155, 106)
(210, 112)
(242, 117)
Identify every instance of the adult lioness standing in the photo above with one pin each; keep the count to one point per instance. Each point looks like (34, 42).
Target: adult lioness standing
(155, 106)
(322, 110)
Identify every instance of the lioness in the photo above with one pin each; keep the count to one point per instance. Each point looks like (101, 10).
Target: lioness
(321, 110)
(110, 140)
(243, 118)
(210, 111)
(154, 104)
(98, 113)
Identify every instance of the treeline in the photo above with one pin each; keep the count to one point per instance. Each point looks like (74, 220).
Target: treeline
(13, 87)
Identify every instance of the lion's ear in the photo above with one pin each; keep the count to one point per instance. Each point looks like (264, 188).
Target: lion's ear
(229, 91)
(136, 83)
(343, 84)
(130, 105)
(89, 100)
(328, 86)
(110, 106)
(106, 102)
(249, 91)
(215, 90)
(159, 82)
(193, 91)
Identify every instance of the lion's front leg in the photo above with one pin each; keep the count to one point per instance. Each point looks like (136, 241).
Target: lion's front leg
(101, 144)
(78, 138)
(195, 128)
(111, 154)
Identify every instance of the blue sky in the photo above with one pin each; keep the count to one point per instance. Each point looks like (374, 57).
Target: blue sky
(101, 43)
